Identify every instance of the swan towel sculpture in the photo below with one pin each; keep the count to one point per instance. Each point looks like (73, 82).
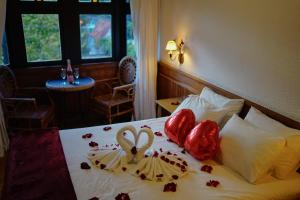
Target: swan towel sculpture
(165, 166)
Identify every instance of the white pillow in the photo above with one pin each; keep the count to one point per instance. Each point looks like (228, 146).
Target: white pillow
(289, 159)
(201, 109)
(248, 150)
(232, 106)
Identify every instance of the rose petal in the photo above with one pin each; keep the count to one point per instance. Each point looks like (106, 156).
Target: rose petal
(143, 177)
(84, 165)
(102, 166)
(122, 196)
(107, 128)
(124, 169)
(175, 177)
(212, 183)
(206, 168)
(133, 150)
(170, 187)
(159, 134)
(93, 144)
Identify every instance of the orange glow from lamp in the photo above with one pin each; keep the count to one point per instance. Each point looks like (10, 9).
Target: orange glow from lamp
(173, 47)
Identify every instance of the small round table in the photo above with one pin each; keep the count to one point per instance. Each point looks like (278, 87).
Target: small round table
(65, 98)
(63, 86)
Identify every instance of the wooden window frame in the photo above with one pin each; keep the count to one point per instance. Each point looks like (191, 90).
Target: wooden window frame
(68, 11)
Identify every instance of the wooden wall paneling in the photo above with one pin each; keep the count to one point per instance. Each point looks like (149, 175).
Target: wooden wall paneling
(175, 83)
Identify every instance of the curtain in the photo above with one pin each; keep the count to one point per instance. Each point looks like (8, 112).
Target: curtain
(144, 15)
(3, 132)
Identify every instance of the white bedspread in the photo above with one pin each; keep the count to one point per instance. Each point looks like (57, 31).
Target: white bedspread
(106, 185)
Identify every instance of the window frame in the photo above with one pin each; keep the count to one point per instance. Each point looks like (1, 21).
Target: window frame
(69, 13)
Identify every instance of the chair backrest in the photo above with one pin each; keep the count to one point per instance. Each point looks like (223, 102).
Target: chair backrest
(127, 70)
(8, 84)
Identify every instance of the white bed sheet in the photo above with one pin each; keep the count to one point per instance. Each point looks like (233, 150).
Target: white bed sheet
(106, 185)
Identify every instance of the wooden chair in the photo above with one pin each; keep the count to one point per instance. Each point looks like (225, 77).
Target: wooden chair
(22, 107)
(120, 100)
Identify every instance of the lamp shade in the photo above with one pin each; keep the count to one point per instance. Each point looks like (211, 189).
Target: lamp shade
(171, 45)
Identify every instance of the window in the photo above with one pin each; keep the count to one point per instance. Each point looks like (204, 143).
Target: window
(95, 34)
(42, 37)
(50, 31)
(129, 37)
(4, 52)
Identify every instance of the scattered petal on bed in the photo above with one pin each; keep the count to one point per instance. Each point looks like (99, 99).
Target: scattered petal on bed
(170, 187)
(122, 196)
(212, 183)
(206, 168)
(93, 144)
(107, 128)
(84, 165)
(159, 134)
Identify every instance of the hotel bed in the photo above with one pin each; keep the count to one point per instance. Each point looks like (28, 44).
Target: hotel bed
(47, 164)
(106, 185)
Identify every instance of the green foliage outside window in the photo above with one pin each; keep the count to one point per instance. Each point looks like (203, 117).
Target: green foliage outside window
(42, 37)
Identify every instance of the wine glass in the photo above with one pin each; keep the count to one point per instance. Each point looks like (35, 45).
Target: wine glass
(63, 73)
(76, 74)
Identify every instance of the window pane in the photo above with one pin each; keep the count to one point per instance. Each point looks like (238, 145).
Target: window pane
(95, 33)
(42, 37)
(4, 60)
(100, 1)
(129, 37)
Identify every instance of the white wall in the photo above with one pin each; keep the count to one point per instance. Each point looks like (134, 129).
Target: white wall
(248, 47)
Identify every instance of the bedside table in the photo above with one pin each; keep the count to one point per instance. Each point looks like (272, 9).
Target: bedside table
(167, 105)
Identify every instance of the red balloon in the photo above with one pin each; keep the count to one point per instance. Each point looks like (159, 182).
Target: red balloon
(203, 141)
(178, 126)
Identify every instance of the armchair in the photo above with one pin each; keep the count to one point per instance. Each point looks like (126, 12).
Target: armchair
(120, 100)
(26, 108)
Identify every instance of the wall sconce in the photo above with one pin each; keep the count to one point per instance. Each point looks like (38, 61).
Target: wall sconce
(173, 47)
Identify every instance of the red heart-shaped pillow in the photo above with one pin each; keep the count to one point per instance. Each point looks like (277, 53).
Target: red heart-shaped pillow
(203, 141)
(178, 126)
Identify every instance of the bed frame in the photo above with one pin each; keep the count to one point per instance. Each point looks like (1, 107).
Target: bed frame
(172, 82)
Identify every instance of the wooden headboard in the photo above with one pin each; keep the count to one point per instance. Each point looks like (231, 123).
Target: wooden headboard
(172, 82)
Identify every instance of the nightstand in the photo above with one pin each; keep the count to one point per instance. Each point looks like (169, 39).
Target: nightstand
(168, 105)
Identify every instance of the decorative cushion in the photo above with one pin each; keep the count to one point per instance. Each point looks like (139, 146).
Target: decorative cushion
(289, 159)
(202, 109)
(232, 106)
(248, 150)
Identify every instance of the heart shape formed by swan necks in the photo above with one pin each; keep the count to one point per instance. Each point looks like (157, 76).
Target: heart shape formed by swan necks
(178, 126)
(134, 154)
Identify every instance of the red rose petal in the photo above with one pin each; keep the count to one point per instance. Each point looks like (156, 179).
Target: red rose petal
(143, 177)
(183, 151)
(172, 162)
(124, 169)
(102, 166)
(206, 168)
(93, 144)
(159, 175)
(122, 196)
(212, 183)
(155, 154)
(137, 171)
(175, 177)
(159, 134)
(146, 126)
(107, 128)
(114, 149)
(84, 165)
(97, 162)
(185, 163)
(176, 103)
(170, 187)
